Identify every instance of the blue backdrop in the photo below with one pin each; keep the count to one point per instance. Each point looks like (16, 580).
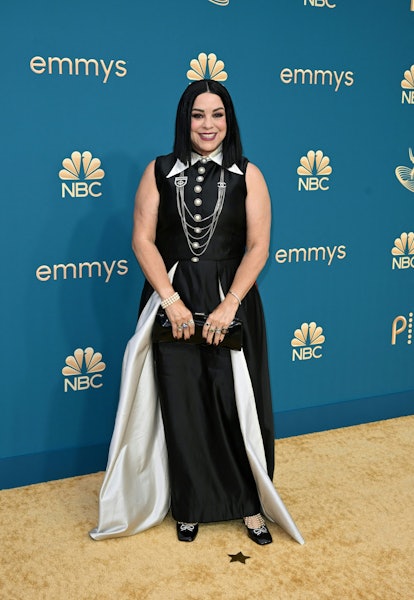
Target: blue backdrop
(324, 94)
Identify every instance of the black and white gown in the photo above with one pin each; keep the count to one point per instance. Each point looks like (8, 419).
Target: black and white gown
(194, 428)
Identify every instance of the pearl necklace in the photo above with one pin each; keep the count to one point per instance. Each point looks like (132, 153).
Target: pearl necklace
(198, 231)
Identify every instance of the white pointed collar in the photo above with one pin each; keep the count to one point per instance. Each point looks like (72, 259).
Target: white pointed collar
(216, 156)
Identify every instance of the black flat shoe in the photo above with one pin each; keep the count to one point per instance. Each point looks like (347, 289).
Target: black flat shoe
(260, 536)
(187, 532)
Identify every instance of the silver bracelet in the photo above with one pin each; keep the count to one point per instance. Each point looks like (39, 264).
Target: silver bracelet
(236, 296)
(170, 300)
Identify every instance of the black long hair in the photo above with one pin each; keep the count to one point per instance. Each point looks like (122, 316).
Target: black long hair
(232, 147)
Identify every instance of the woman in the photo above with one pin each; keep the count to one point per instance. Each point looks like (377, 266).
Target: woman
(201, 237)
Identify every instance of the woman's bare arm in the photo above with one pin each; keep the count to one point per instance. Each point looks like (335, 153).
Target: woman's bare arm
(258, 214)
(143, 243)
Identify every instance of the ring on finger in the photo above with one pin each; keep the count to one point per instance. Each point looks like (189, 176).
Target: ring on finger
(224, 330)
(207, 324)
(179, 328)
(218, 330)
(211, 330)
(184, 326)
(191, 322)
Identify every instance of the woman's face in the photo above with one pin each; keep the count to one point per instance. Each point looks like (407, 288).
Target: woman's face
(208, 123)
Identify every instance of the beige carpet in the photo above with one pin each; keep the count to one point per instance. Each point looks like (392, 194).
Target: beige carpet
(350, 491)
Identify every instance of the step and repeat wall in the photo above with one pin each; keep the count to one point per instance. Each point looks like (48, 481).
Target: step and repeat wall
(324, 93)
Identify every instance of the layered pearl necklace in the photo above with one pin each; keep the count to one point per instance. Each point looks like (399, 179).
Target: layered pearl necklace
(198, 231)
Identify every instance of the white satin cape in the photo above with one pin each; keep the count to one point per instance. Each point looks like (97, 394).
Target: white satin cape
(135, 493)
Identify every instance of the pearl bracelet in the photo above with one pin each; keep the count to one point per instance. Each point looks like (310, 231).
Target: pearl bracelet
(170, 300)
(236, 296)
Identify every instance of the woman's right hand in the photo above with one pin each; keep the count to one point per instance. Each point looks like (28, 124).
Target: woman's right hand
(181, 320)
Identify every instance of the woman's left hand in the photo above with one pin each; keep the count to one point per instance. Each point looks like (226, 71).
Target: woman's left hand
(219, 320)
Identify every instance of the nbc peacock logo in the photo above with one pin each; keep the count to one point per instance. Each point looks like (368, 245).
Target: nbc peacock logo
(403, 251)
(405, 175)
(206, 67)
(307, 342)
(407, 85)
(314, 171)
(83, 370)
(81, 166)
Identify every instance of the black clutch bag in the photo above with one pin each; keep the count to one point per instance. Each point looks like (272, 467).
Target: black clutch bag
(162, 332)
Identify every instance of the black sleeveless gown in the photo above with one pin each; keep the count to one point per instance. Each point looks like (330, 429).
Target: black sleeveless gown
(210, 476)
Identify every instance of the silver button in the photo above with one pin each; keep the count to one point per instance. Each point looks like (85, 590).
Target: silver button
(198, 202)
(197, 189)
(203, 161)
(197, 217)
(197, 229)
(195, 245)
(195, 259)
(201, 170)
(199, 178)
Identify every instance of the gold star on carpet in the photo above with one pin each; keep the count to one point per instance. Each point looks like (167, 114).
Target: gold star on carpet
(239, 557)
